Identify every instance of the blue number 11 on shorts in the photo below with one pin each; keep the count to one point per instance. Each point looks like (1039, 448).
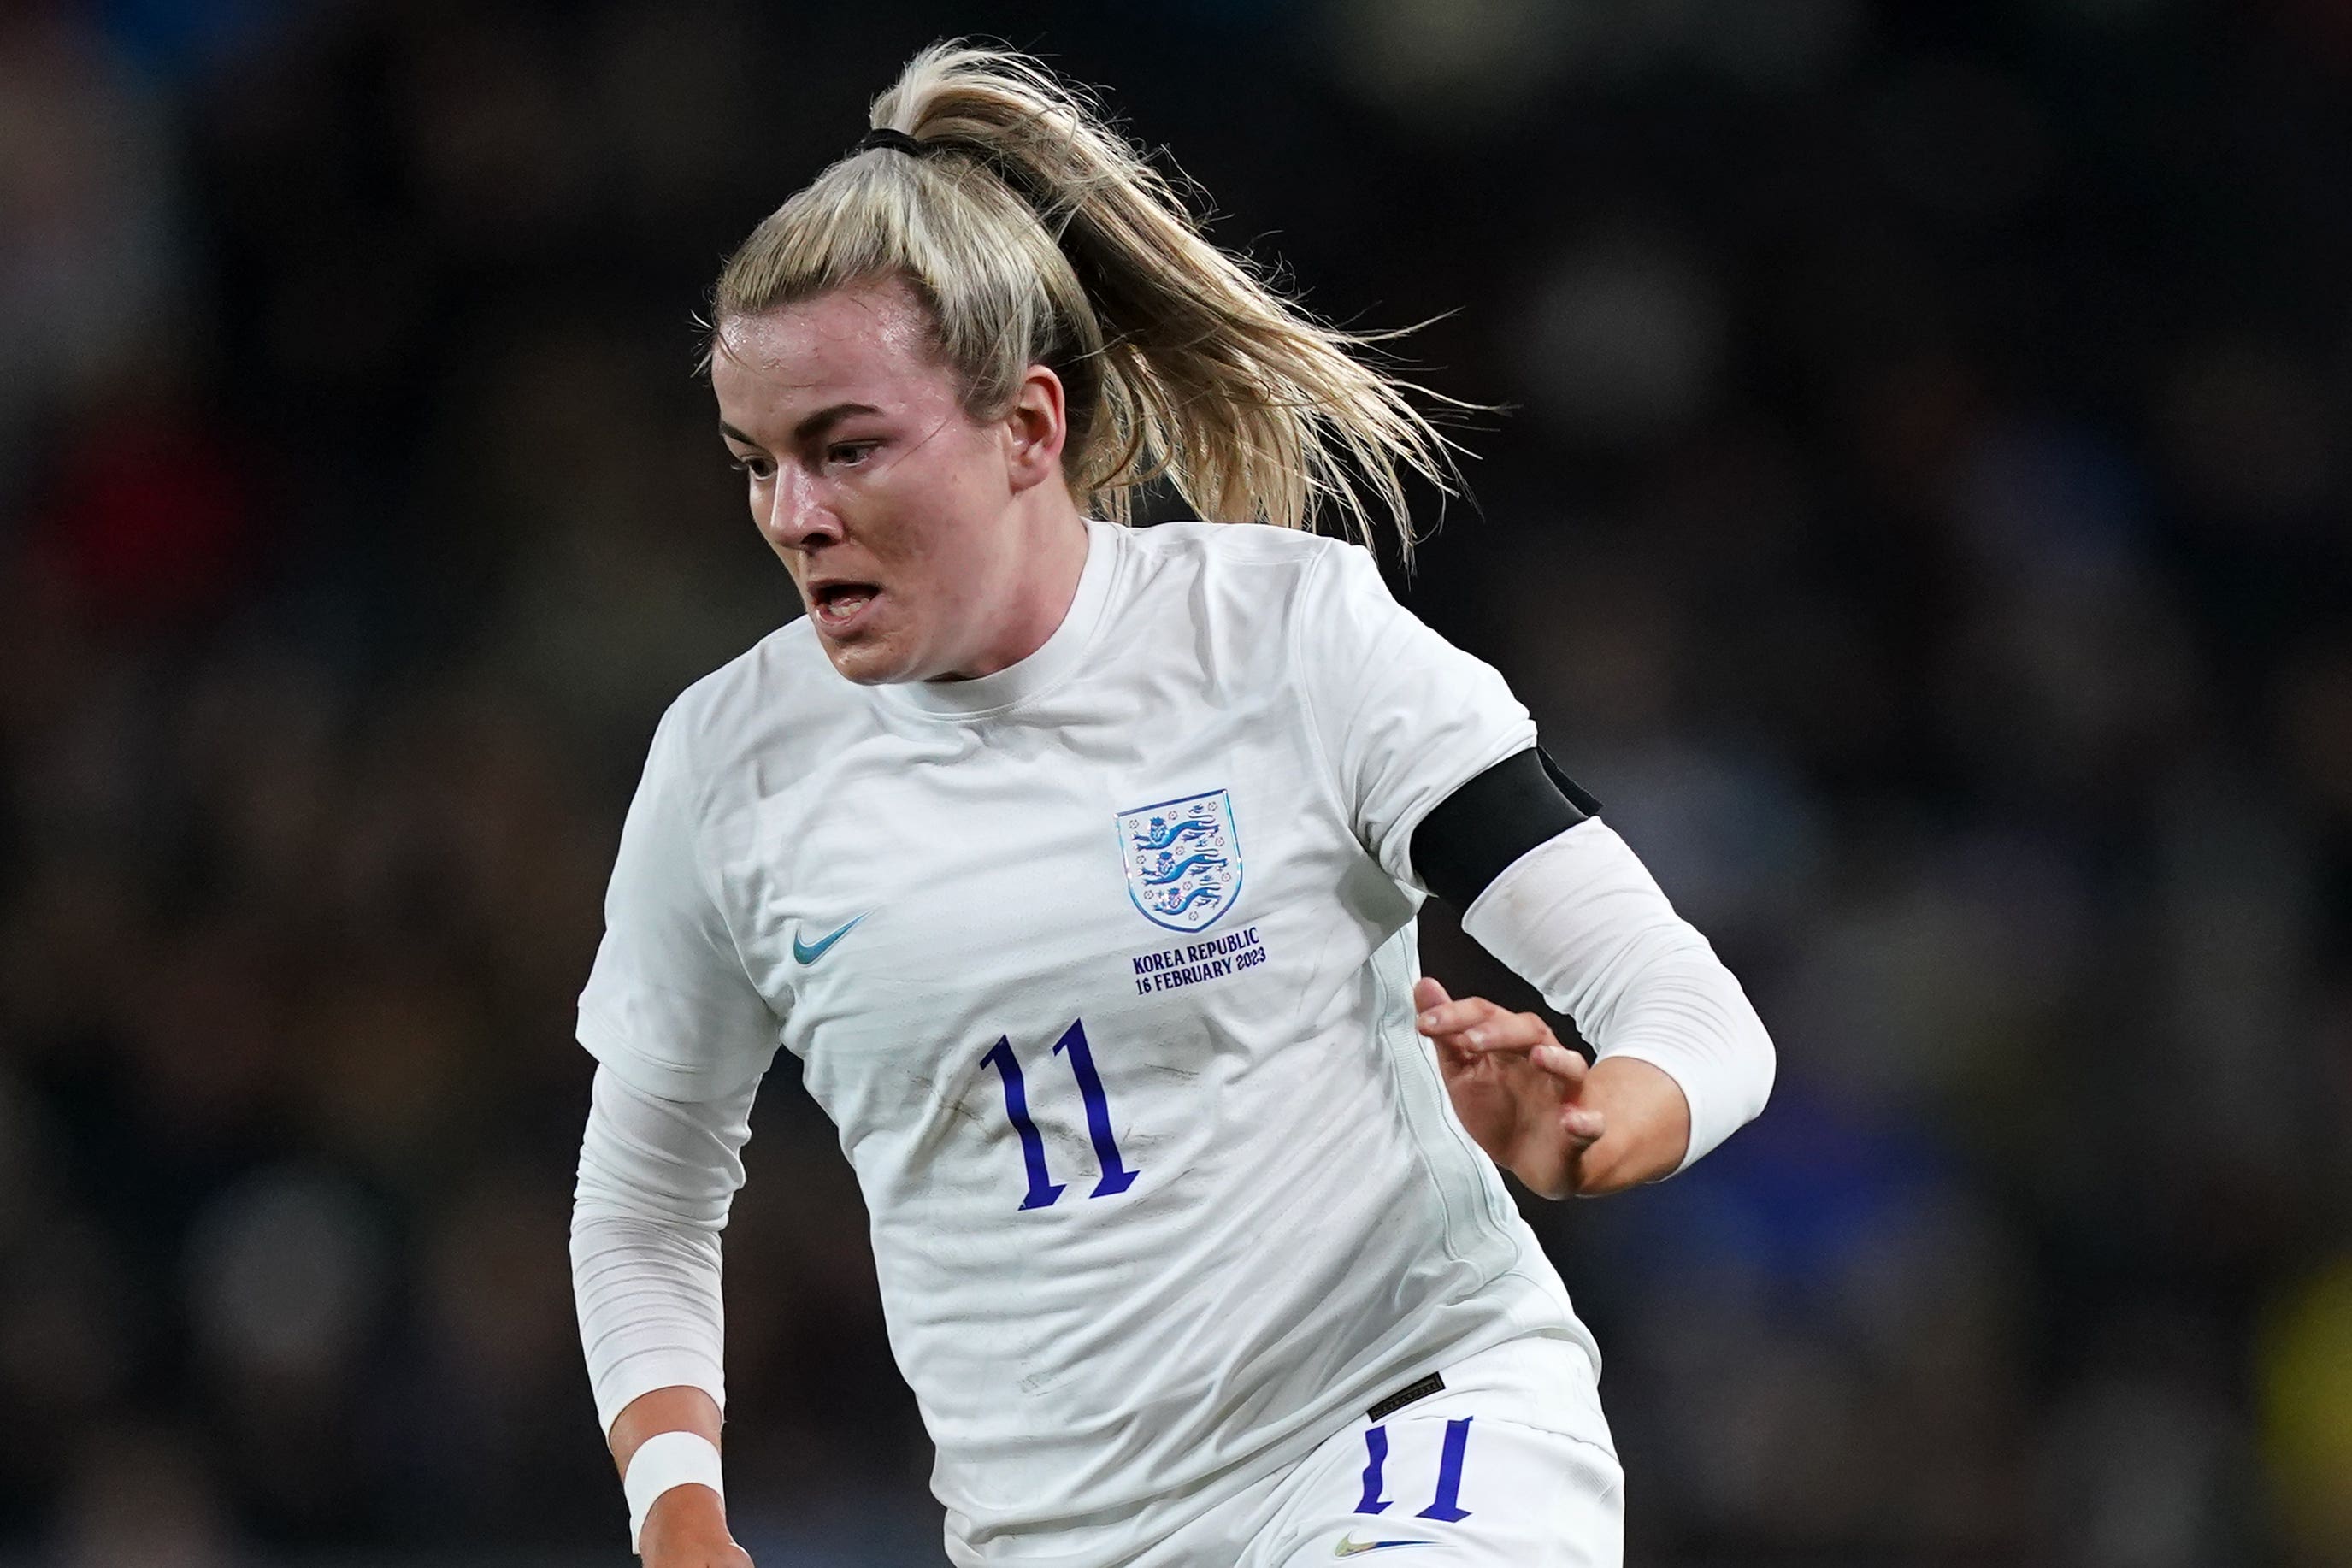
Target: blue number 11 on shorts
(1447, 1506)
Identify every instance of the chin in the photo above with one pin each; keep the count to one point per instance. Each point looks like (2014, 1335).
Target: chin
(858, 670)
(866, 664)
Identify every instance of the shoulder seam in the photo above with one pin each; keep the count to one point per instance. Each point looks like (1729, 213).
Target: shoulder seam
(1327, 771)
(1273, 542)
(699, 801)
(698, 794)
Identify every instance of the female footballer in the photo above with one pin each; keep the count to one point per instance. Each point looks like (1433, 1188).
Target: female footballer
(1076, 865)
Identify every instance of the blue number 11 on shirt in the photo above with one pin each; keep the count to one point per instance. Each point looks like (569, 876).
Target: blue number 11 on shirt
(1043, 1189)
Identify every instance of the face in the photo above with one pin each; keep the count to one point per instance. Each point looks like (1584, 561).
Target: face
(914, 531)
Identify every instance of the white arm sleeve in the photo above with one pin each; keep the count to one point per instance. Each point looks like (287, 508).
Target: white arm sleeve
(1580, 918)
(657, 1177)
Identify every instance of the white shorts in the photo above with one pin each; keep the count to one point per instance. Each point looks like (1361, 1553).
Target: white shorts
(1510, 1465)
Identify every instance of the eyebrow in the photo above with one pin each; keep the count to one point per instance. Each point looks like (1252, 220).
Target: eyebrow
(812, 427)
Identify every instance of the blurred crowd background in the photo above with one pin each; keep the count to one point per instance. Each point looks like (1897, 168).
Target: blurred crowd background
(1922, 514)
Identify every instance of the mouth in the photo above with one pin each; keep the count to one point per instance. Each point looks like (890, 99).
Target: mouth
(838, 608)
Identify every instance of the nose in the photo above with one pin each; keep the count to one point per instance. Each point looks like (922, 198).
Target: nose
(797, 514)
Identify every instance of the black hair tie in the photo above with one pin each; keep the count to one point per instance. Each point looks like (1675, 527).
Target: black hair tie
(895, 140)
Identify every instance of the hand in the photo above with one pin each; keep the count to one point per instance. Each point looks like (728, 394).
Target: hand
(1518, 1091)
(687, 1528)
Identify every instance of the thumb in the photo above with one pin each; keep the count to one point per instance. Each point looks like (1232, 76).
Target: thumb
(1580, 1121)
(1427, 993)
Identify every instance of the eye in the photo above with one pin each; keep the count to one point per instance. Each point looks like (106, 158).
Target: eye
(758, 468)
(849, 454)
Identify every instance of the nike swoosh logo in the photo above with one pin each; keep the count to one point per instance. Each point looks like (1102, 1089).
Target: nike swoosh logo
(1351, 1547)
(809, 953)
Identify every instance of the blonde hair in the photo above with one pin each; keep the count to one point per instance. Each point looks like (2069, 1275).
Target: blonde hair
(1038, 235)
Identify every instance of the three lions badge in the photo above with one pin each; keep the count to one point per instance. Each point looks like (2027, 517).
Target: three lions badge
(1182, 859)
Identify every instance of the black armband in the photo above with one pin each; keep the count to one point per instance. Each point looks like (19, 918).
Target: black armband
(1471, 836)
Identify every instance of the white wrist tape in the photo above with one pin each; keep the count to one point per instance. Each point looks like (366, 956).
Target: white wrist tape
(664, 1460)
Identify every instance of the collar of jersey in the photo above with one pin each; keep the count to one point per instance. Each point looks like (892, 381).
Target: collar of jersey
(1056, 660)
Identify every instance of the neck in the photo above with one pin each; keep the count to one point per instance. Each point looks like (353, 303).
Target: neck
(1052, 555)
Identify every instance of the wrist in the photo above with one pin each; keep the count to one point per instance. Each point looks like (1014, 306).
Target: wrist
(685, 1524)
(680, 1472)
(1646, 1124)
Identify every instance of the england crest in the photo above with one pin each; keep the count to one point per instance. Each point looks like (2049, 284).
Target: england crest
(1183, 859)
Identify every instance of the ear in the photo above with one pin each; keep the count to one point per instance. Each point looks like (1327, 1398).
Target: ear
(1035, 428)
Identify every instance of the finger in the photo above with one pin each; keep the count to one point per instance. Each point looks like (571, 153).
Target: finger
(1583, 1124)
(1502, 1031)
(1429, 998)
(1452, 1058)
(1449, 1016)
(1456, 1017)
(1568, 1066)
(1455, 1047)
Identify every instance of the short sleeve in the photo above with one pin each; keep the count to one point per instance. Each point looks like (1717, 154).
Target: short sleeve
(668, 1006)
(1404, 717)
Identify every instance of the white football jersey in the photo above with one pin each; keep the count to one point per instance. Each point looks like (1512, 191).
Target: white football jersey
(1102, 965)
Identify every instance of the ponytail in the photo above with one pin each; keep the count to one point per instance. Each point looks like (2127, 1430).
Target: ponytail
(1037, 235)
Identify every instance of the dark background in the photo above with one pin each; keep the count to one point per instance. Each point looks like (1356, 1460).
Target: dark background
(1923, 516)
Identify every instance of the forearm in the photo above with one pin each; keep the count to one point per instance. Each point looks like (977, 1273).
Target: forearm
(648, 1295)
(1581, 919)
(657, 1179)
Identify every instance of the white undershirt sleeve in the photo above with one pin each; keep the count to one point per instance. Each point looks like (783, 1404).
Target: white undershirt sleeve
(1580, 918)
(657, 1178)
